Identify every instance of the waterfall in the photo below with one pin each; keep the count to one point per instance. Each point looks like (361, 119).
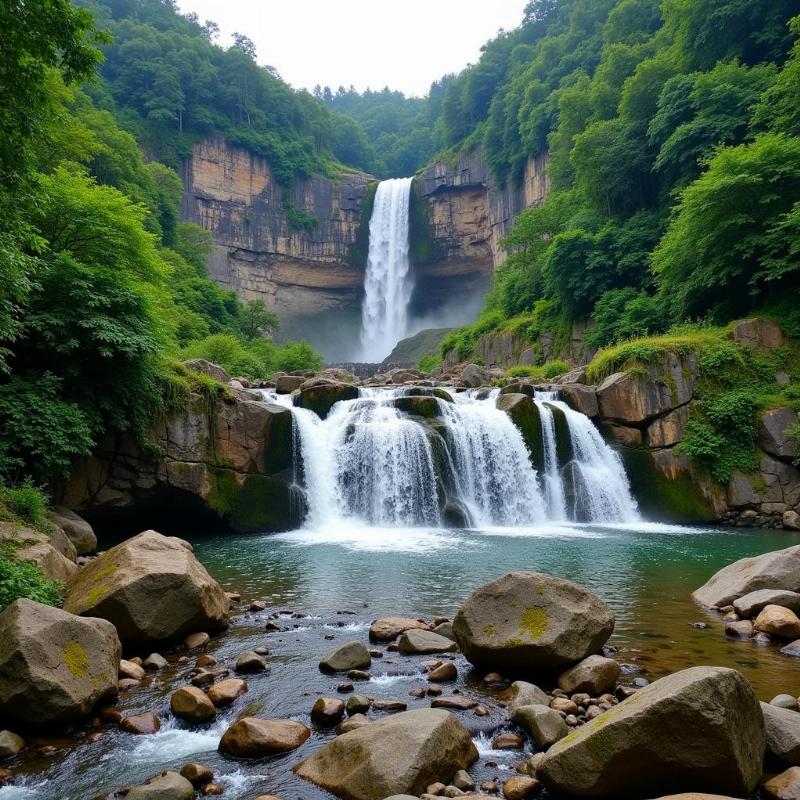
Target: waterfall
(370, 463)
(387, 284)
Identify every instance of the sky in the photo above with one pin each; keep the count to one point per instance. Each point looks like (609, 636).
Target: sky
(367, 43)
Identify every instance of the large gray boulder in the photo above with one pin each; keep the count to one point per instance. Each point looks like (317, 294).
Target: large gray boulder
(152, 588)
(54, 666)
(320, 395)
(783, 733)
(77, 529)
(214, 371)
(752, 603)
(474, 376)
(543, 724)
(696, 730)
(346, 656)
(531, 621)
(773, 436)
(595, 675)
(779, 569)
(402, 754)
(418, 642)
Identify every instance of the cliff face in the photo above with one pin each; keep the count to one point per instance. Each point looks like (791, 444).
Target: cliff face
(257, 253)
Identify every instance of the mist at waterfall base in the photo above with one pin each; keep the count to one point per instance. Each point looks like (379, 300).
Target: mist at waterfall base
(371, 475)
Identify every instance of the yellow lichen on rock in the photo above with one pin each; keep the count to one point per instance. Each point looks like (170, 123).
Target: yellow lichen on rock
(76, 659)
(533, 621)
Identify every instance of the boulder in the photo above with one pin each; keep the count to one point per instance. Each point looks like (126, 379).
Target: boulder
(788, 701)
(419, 642)
(595, 675)
(758, 334)
(444, 672)
(474, 376)
(192, 704)
(207, 368)
(401, 754)
(772, 432)
(525, 415)
(387, 629)
(167, 786)
(54, 666)
(10, 744)
(791, 520)
(347, 656)
(752, 603)
(327, 711)
(225, 692)
(531, 621)
(250, 661)
(320, 395)
(699, 729)
(426, 407)
(779, 569)
(778, 621)
(785, 786)
(286, 384)
(783, 734)
(543, 724)
(580, 397)
(77, 529)
(152, 588)
(144, 724)
(197, 774)
(521, 693)
(445, 629)
(54, 554)
(251, 737)
(518, 787)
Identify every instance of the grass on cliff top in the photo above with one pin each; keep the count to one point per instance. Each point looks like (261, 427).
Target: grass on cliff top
(25, 505)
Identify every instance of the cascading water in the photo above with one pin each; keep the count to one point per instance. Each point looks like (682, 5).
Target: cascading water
(370, 463)
(387, 285)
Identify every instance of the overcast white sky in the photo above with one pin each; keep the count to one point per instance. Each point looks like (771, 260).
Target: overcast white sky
(405, 44)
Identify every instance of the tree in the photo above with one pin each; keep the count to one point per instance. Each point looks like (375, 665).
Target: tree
(255, 321)
(245, 44)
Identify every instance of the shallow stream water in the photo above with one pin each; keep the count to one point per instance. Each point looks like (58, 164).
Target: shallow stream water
(334, 583)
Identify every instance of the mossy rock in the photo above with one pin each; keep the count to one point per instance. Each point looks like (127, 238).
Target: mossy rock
(320, 397)
(428, 391)
(660, 497)
(525, 415)
(359, 249)
(427, 407)
(254, 503)
(423, 247)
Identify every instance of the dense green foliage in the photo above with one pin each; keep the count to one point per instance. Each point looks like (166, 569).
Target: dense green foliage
(674, 154)
(23, 578)
(101, 286)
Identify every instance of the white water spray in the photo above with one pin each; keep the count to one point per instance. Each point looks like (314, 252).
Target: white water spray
(387, 285)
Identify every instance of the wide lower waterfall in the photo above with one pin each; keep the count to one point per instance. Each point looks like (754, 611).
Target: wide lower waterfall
(372, 462)
(387, 284)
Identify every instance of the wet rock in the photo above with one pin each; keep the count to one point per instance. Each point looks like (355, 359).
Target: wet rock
(249, 662)
(358, 675)
(474, 376)
(783, 734)
(320, 395)
(127, 669)
(508, 741)
(225, 692)
(455, 701)
(252, 737)
(792, 649)
(791, 521)
(779, 569)
(519, 787)
(743, 629)
(528, 620)
(155, 662)
(351, 723)
(580, 397)
(141, 724)
(389, 704)
(595, 674)
(445, 629)
(785, 786)
(345, 657)
(10, 744)
(463, 780)
(205, 661)
(212, 789)
(151, 587)
(195, 640)
(419, 642)
(286, 384)
(358, 704)
(778, 621)
(543, 724)
(402, 754)
(445, 672)
(77, 529)
(564, 705)
(192, 704)
(752, 603)
(197, 774)
(387, 629)
(167, 786)
(786, 701)
(54, 666)
(327, 711)
(521, 693)
(699, 727)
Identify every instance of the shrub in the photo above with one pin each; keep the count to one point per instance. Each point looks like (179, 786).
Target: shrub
(429, 362)
(551, 369)
(25, 579)
(27, 502)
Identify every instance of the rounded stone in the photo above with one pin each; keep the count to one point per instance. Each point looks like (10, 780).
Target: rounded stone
(252, 737)
(192, 704)
(225, 692)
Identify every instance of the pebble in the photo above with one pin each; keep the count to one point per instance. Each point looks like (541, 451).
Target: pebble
(389, 705)
(141, 724)
(197, 774)
(127, 669)
(212, 788)
(519, 787)
(154, 662)
(249, 662)
(508, 741)
(564, 705)
(344, 688)
(126, 684)
(195, 640)
(359, 675)
(327, 711)
(444, 672)
(785, 701)
(205, 661)
(225, 692)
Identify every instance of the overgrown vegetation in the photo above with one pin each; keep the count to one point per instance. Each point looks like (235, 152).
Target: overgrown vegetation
(101, 287)
(23, 578)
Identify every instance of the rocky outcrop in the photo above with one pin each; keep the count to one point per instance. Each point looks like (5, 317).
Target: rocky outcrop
(151, 588)
(258, 252)
(231, 457)
(53, 553)
(54, 666)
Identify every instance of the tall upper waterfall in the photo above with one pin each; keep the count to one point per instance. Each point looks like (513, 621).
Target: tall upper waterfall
(387, 285)
(420, 457)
